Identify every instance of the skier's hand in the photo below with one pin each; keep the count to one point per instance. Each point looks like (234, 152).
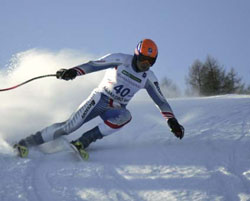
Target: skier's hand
(176, 128)
(66, 74)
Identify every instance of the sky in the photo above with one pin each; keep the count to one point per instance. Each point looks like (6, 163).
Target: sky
(183, 30)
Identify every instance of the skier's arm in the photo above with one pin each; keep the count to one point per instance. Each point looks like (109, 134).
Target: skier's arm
(108, 61)
(154, 91)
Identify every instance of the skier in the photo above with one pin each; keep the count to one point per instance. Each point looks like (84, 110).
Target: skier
(125, 75)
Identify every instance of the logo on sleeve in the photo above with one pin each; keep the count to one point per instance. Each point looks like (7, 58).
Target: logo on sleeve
(158, 87)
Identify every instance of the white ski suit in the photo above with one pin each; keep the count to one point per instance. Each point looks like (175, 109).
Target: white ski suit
(110, 98)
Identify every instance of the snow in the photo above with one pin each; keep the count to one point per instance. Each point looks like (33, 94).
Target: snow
(144, 161)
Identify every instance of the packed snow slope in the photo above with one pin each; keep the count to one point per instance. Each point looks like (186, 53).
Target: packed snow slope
(144, 161)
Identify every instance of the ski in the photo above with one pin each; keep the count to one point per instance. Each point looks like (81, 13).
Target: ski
(81, 153)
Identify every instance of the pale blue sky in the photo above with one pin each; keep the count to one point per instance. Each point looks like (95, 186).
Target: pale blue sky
(184, 30)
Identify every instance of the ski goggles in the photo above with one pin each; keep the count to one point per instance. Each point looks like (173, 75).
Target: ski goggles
(142, 58)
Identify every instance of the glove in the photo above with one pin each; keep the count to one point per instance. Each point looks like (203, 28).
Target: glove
(66, 74)
(176, 128)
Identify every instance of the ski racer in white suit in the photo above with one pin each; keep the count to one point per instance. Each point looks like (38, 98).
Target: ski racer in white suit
(125, 75)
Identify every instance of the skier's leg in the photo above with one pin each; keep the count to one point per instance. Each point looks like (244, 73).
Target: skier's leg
(113, 120)
(84, 113)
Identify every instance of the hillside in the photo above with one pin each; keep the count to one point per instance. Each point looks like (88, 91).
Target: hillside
(144, 161)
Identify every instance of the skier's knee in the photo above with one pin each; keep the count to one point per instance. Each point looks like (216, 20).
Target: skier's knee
(117, 123)
(117, 118)
(114, 124)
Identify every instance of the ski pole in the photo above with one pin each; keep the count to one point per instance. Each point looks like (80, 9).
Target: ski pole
(35, 78)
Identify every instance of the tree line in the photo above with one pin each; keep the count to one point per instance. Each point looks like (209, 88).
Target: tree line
(207, 78)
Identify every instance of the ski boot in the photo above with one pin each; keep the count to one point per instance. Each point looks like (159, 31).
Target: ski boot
(22, 150)
(84, 141)
(78, 147)
(22, 145)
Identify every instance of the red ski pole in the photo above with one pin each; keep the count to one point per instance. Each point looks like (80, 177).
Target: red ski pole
(35, 78)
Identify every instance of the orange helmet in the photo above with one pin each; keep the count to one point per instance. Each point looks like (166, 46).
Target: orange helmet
(147, 50)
